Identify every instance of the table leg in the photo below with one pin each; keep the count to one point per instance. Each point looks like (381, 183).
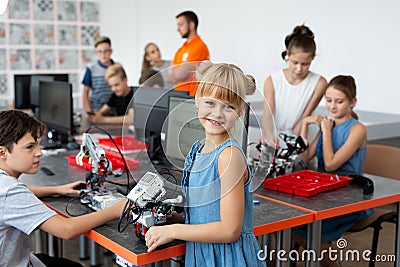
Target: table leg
(283, 241)
(264, 241)
(54, 246)
(279, 242)
(313, 243)
(94, 254)
(83, 248)
(397, 243)
(174, 262)
(40, 241)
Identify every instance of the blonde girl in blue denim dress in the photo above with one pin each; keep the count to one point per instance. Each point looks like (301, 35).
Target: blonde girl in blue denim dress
(216, 181)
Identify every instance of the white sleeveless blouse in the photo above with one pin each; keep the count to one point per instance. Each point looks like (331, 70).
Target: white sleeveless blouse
(291, 100)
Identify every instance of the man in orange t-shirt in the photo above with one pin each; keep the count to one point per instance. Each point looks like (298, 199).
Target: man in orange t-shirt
(193, 51)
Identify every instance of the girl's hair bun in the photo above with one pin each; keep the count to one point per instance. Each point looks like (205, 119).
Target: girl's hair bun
(225, 75)
(251, 85)
(202, 68)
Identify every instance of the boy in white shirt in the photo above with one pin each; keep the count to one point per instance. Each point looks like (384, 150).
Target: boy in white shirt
(21, 212)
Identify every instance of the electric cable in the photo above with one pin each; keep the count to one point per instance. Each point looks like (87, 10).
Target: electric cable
(128, 173)
(69, 202)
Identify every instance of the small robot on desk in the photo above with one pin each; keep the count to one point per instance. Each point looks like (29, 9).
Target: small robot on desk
(284, 159)
(95, 194)
(146, 206)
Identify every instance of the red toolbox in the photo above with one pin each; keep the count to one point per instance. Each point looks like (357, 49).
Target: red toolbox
(306, 183)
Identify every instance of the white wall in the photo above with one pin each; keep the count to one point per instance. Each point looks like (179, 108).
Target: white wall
(354, 37)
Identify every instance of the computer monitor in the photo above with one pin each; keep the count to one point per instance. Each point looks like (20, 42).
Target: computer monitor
(34, 87)
(22, 91)
(26, 88)
(56, 109)
(183, 128)
(34, 93)
(151, 110)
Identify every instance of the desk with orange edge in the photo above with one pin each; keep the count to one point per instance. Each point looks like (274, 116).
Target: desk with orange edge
(269, 216)
(125, 244)
(340, 202)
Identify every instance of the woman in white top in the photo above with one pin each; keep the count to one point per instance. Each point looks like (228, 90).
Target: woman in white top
(152, 60)
(292, 93)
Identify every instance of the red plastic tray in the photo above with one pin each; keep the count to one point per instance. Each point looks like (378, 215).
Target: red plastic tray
(115, 159)
(306, 183)
(127, 144)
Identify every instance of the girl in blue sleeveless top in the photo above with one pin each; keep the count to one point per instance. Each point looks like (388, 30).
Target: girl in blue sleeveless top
(340, 147)
(341, 142)
(216, 181)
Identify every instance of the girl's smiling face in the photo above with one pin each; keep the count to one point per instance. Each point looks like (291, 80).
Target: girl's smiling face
(338, 104)
(216, 116)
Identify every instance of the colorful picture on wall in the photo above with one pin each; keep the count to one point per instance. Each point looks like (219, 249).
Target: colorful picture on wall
(3, 85)
(90, 11)
(18, 9)
(75, 80)
(67, 11)
(41, 36)
(88, 56)
(3, 59)
(20, 34)
(2, 33)
(44, 34)
(68, 59)
(20, 59)
(43, 9)
(45, 59)
(67, 35)
(4, 104)
(89, 34)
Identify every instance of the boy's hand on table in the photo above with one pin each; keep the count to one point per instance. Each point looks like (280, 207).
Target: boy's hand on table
(96, 117)
(71, 188)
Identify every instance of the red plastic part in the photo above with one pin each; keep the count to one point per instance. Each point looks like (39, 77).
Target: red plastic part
(127, 144)
(306, 183)
(115, 159)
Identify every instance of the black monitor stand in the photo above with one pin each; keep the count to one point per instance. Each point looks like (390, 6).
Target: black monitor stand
(36, 111)
(54, 140)
(154, 151)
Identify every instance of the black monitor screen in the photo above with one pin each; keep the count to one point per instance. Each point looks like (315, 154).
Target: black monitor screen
(21, 91)
(183, 128)
(56, 106)
(151, 107)
(151, 110)
(34, 88)
(26, 88)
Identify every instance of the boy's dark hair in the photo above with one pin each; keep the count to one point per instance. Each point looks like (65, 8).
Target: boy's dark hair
(190, 17)
(14, 124)
(102, 39)
(151, 78)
